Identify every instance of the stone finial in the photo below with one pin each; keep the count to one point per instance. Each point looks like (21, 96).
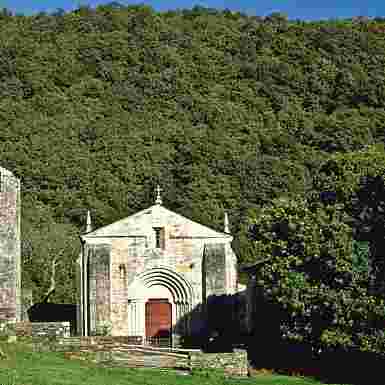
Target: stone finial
(227, 229)
(89, 225)
(158, 200)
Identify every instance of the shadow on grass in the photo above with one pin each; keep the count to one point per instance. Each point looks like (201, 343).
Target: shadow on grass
(333, 367)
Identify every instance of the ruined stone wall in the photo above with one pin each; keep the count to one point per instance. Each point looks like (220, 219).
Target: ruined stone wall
(34, 329)
(10, 267)
(42, 329)
(233, 363)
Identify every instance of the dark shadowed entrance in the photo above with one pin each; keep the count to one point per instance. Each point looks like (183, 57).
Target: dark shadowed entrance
(158, 322)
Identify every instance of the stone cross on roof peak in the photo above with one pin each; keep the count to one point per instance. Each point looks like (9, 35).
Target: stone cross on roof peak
(158, 200)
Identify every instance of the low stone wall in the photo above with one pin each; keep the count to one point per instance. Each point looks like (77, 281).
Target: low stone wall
(114, 350)
(133, 357)
(36, 329)
(233, 364)
(108, 343)
(120, 351)
(43, 329)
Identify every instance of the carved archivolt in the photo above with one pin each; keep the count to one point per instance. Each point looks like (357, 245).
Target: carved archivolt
(180, 289)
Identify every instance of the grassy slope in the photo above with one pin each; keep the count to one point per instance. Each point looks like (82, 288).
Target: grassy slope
(23, 367)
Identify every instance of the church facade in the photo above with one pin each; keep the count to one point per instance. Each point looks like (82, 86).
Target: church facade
(150, 275)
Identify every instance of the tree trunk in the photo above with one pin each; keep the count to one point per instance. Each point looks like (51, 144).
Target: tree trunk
(53, 282)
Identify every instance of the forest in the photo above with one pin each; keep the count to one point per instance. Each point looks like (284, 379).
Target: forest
(278, 122)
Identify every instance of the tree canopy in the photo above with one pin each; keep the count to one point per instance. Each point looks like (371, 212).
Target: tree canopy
(226, 111)
(324, 264)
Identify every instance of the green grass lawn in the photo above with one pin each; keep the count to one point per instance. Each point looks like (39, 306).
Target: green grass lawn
(25, 367)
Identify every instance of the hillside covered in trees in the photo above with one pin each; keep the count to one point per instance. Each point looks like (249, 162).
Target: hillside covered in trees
(225, 111)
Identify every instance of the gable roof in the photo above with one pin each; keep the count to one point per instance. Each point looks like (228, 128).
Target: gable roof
(137, 225)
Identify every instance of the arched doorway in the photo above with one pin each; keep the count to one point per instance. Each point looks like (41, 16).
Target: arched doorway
(158, 315)
(158, 322)
(160, 301)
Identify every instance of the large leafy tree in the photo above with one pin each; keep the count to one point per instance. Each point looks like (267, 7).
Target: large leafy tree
(313, 279)
(367, 215)
(49, 256)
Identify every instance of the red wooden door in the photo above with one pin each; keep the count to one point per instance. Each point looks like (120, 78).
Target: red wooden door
(158, 318)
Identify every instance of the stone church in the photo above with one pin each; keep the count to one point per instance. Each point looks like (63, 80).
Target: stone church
(10, 266)
(151, 274)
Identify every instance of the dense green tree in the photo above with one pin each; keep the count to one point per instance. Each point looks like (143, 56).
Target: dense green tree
(49, 254)
(314, 278)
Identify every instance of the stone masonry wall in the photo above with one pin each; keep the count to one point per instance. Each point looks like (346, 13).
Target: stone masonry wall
(122, 351)
(44, 329)
(10, 273)
(35, 329)
(233, 363)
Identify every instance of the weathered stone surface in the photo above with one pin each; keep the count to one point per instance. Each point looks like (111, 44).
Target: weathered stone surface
(10, 273)
(233, 363)
(214, 265)
(21, 329)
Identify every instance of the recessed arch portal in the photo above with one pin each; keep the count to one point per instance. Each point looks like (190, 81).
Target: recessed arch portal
(139, 292)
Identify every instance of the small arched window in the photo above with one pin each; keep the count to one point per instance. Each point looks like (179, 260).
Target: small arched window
(122, 271)
(159, 238)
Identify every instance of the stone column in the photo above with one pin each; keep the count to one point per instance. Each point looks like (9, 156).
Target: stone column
(177, 313)
(178, 331)
(141, 318)
(136, 318)
(174, 318)
(133, 318)
(85, 290)
(79, 280)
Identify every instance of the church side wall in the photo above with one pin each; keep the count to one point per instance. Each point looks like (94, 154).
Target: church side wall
(214, 269)
(231, 270)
